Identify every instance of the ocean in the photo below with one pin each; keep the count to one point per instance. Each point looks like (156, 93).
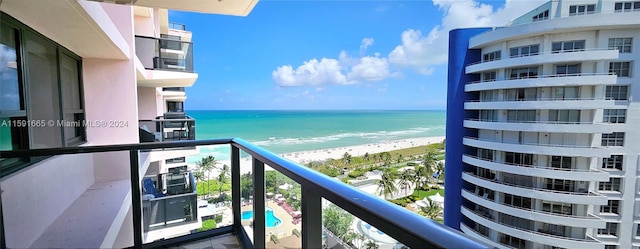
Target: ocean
(292, 131)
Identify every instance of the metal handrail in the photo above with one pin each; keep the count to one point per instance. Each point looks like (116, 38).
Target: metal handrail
(588, 193)
(532, 231)
(536, 166)
(546, 53)
(536, 144)
(528, 122)
(589, 216)
(541, 76)
(407, 227)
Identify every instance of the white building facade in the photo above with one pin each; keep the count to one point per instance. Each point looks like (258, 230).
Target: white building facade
(549, 156)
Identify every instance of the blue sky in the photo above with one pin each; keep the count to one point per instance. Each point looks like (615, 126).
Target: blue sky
(332, 54)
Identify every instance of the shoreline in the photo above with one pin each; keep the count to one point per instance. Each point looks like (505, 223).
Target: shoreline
(303, 157)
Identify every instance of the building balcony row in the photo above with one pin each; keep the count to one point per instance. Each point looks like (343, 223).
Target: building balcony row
(595, 54)
(540, 126)
(570, 150)
(549, 80)
(565, 104)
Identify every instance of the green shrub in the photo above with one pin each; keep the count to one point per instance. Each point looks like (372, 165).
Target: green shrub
(208, 225)
(356, 173)
(345, 180)
(218, 218)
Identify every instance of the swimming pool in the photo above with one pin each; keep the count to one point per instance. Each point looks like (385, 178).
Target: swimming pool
(374, 234)
(271, 219)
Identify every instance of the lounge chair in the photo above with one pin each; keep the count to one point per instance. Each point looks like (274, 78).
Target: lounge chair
(150, 188)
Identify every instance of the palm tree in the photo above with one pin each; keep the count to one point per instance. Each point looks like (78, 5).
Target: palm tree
(432, 211)
(429, 162)
(206, 165)
(346, 159)
(387, 184)
(399, 159)
(407, 177)
(223, 177)
(386, 156)
(421, 177)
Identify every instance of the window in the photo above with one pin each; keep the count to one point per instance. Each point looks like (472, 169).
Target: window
(638, 230)
(617, 93)
(176, 160)
(576, 10)
(559, 185)
(561, 162)
(610, 247)
(620, 68)
(512, 241)
(492, 56)
(613, 139)
(518, 158)
(521, 116)
(524, 51)
(489, 76)
(485, 154)
(565, 93)
(568, 69)
(611, 207)
(488, 115)
(485, 173)
(487, 96)
(557, 207)
(175, 106)
(521, 94)
(610, 229)
(614, 116)
(542, 16)
(612, 185)
(524, 73)
(518, 201)
(622, 44)
(567, 46)
(627, 6)
(613, 162)
(52, 92)
(564, 116)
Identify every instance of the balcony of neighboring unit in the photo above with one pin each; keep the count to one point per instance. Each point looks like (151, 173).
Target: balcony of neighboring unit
(534, 236)
(170, 127)
(596, 54)
(479, 236)
(539, 148)
(538, 126)
(579, 79)
(145, 209)
(169, 203)
(588, 220)
(539, 171)
(578, 197)
(541, 103)
(174, 93)
(164, 62)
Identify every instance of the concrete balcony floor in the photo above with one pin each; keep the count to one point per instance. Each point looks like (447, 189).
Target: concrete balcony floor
(221, 241)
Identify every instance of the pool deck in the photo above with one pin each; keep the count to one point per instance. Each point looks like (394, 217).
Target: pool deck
(285, 228)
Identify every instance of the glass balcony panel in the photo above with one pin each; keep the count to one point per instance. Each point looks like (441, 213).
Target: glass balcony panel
(68, 201)
(165, 53)
(283, 216)
(170, 127)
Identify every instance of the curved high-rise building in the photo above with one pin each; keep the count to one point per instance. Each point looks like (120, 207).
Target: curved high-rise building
(543, 128)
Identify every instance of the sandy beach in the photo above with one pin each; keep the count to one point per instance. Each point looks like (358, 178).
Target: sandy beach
(336, 153)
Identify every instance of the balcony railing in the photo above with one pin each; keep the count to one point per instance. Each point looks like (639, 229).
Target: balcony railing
(534, 144)
(542, 76)
(167, 128)
(579, 192)
(524, 165)
(408, 228)
(545, 53)
(175, 202)
(173, 89)
(179, 26)
(164, 54)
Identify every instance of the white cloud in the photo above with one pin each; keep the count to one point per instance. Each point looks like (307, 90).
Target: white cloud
(366, 42)
(345, 70)
(424, 51)
(311, 72)
(370, 69)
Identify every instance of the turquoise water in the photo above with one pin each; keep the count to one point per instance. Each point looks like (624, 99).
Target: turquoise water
(291, 131)
(271, 219)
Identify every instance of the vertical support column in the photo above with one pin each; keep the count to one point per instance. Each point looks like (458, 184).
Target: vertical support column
(3, 242)
(235, 187)
(311, 219)
(136, 198)
(258, 204)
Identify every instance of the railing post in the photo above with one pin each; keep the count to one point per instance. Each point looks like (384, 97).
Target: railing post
(136, 198)
(235, 187)
(311, 219)
(258, 204)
